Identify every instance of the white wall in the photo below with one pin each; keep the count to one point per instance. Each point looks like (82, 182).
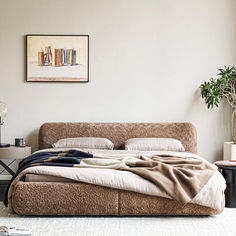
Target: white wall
(147, 60)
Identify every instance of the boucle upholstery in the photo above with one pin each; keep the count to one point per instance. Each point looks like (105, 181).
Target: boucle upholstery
(86, 199)
(47, 198)
(118, 133)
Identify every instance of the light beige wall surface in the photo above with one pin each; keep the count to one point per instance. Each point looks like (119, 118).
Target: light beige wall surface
(147, 60)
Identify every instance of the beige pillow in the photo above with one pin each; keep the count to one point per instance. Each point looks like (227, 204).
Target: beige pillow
(154, 144)
(84, 142)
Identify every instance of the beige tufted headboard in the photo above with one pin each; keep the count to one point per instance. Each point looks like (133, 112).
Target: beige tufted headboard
(118, 133)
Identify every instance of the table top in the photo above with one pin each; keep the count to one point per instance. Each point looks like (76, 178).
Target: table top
(14, 152)
(230, 164)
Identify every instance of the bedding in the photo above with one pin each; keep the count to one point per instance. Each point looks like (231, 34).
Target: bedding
(154, 144)
(107, 188)
(84, 142)
(106, 168)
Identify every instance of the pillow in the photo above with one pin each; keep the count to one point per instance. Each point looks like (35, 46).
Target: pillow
(154, 144)
(84, 142)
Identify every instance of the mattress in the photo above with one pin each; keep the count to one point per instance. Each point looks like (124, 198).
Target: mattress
(47, 178)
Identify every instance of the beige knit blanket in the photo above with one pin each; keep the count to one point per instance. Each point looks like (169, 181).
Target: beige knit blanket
(181, 178)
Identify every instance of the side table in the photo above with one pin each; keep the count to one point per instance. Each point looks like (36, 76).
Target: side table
(229, 172)
(14, 153)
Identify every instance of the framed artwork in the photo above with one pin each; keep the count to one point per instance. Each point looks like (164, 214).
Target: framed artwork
(59, 58)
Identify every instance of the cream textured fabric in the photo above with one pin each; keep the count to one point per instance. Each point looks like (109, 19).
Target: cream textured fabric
(154, 144)
(84, 142)
(220, 225)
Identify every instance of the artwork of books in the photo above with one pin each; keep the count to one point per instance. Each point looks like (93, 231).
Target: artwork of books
(61, 58)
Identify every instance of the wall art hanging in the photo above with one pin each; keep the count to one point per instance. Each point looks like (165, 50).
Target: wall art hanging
(60, 58)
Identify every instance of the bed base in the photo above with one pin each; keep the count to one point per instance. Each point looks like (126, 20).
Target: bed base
(64, 199)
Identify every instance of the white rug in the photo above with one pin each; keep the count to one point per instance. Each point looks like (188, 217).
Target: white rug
(222, 225)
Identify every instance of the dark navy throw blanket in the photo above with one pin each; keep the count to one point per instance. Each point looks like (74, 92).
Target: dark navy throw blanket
(61, 158)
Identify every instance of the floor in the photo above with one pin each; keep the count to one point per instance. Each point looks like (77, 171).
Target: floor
(222, 225)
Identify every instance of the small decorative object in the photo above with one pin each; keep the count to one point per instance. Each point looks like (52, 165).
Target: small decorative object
(3, 231)
(19, 142)
(229, 152)
(224, 86)
(60, 58)
(3, 113)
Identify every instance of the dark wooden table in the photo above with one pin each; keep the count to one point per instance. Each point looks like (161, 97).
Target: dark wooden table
(3, 188)
(229, 173)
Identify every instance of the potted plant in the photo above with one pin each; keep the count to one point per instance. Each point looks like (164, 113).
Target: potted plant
(222, 87)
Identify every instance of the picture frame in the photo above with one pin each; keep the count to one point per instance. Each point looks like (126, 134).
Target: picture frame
(57, 58)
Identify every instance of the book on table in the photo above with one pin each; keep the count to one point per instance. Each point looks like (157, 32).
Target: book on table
(14, 231)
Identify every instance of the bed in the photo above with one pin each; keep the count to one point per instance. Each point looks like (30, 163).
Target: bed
(96, 194)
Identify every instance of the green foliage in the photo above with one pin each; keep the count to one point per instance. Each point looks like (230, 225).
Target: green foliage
(223, 86)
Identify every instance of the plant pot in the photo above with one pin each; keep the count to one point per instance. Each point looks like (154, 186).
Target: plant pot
(229, 151)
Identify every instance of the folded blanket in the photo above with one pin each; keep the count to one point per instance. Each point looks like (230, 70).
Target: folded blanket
(180, 177)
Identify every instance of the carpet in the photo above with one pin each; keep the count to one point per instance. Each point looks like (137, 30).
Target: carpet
(221, 225)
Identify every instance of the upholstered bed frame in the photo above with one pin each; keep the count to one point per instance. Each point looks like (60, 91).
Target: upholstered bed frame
(45, 198)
